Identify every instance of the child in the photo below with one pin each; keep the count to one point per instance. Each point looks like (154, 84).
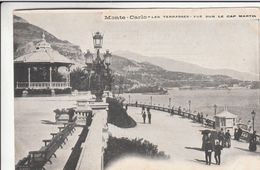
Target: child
(218, 149)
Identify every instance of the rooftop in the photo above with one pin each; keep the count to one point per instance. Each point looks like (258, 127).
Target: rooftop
(226, 114)
(43, 53)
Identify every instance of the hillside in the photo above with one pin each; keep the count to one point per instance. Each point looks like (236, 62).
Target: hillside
(180, 66)
(27, 35)
(128, 72)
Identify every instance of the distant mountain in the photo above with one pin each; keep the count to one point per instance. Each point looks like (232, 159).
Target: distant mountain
(174, 65)
(128, 72)
(180, 66)
(131, 55)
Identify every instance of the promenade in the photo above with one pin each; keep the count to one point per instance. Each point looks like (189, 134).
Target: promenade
(177, 136)
(181, 139)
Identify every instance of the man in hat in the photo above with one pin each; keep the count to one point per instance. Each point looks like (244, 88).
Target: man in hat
(208, 151)
(144, 116)
(227, 139)
(149, 115)
(221, 137)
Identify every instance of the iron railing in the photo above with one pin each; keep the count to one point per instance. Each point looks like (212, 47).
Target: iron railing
(246, 135)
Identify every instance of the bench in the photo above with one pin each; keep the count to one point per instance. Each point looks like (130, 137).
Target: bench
(37, 159)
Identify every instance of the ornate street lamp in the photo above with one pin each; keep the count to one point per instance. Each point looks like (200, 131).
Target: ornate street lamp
(98, 40)
(98, 69)
(88, 58)
(253, 118)
(107, 58)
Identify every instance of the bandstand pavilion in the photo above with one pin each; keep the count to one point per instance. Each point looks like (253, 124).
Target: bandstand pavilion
(226, 121)
(38, 70)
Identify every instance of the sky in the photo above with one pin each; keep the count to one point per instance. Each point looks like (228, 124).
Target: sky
(231, 44)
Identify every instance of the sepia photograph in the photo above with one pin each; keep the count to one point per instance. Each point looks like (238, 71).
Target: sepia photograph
(144, 89)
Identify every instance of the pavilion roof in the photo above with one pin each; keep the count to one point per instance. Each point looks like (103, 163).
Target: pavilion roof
(43, 53)
(43, 56)
(226, 114)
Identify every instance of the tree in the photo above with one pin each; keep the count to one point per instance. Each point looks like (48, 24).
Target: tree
(79, 79)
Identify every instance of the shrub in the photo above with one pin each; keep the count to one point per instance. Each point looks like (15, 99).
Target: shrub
(117, 147)
(117, 115)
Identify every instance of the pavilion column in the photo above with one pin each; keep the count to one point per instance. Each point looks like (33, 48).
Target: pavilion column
(50, 76)
(68, 77)
(29, 77)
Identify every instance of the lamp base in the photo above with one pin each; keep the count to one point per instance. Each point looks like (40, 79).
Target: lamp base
(98, 94)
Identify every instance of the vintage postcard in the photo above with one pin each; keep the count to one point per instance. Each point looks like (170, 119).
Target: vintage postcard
(140, 88)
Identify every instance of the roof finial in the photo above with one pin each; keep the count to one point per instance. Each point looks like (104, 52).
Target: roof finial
(43, 35)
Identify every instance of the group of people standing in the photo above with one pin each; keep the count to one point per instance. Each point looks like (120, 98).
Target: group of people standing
(215, 143)
(252, 138)
(209, 148)
(149, 115)
(200, 117)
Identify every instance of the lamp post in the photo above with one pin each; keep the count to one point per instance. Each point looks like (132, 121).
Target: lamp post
(98, 68)
(215, 109)
(253, 119)
(170, 102)
(151, 99)
(129, 99)
(189, 105)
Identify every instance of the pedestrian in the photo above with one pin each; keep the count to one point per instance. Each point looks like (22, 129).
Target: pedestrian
(149, 115)
(144, 116)
(204, 140)
(126, 107)
(136, 103)
(208, 151)
(239, 133)
(172, 111)
(218, 149)
(235, 134)
(179, 110)
(198, 117)
(201, 118)
(227, 139)
(252, 142)
(221, 137)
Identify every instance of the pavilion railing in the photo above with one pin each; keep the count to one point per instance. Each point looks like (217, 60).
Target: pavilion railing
(42, 85)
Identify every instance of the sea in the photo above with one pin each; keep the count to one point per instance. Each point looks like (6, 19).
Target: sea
(240, 102)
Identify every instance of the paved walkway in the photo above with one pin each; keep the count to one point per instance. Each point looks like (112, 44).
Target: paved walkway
(180, 138)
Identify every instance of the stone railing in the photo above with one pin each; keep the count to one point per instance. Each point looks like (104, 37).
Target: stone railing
(42, 85)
